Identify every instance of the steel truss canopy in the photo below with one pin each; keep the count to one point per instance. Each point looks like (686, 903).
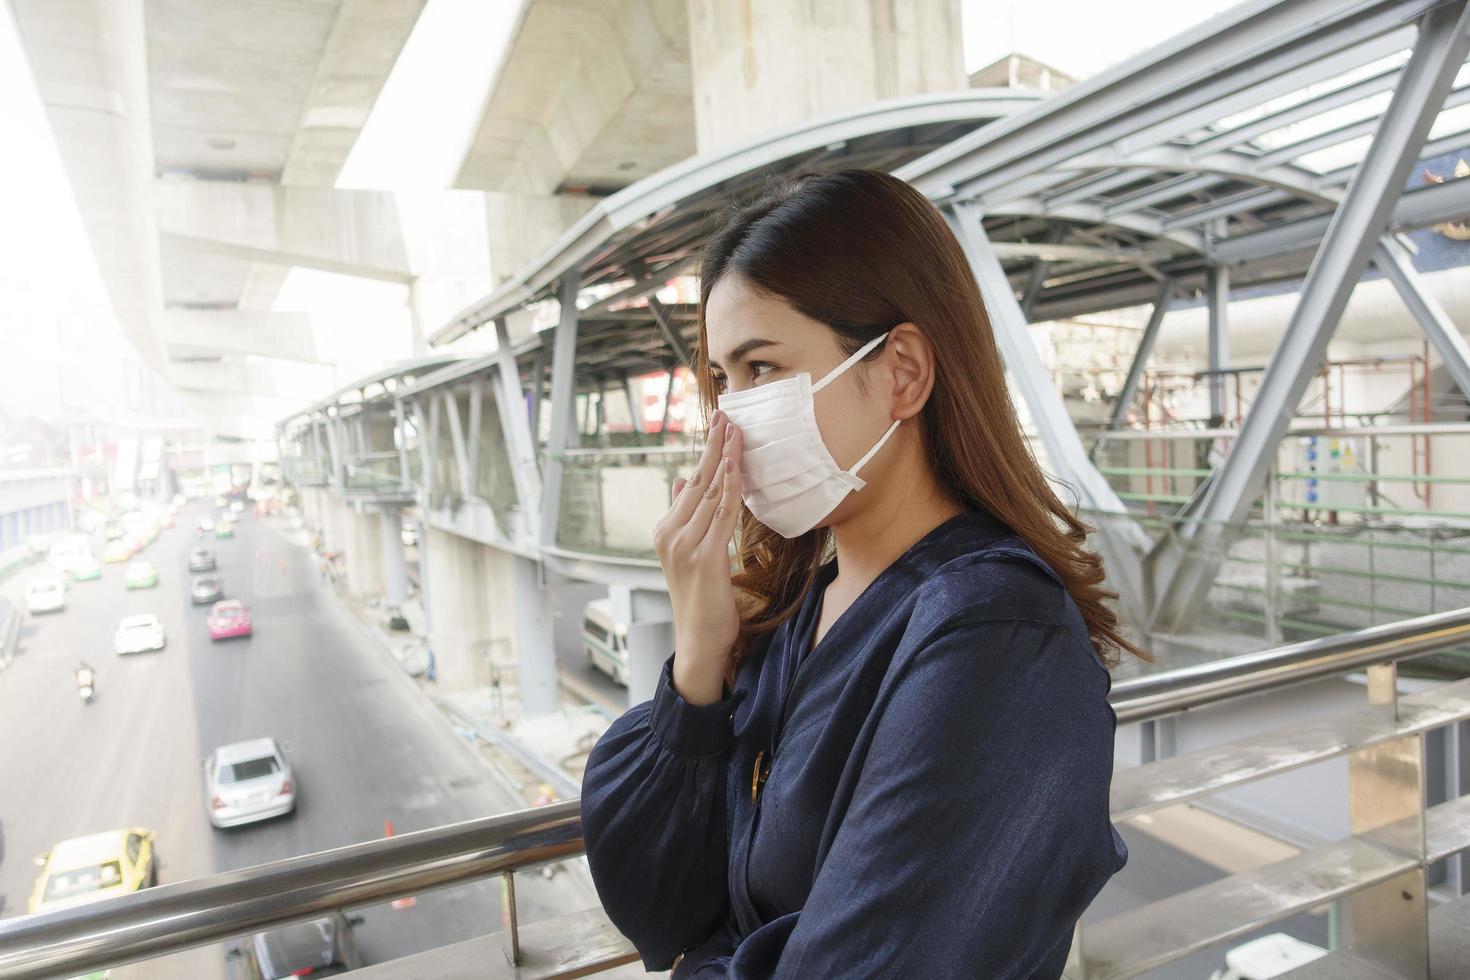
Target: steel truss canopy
(1230, 143)
(650, 231)
(1263, 140)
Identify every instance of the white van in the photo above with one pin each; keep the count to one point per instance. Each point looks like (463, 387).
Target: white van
(605, 641)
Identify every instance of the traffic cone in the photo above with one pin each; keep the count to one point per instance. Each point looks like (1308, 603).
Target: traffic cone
(407, 901)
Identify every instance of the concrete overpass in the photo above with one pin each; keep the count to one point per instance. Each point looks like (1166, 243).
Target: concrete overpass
(205, 142)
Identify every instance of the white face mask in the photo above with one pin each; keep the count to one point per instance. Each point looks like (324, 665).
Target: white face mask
(789, 480)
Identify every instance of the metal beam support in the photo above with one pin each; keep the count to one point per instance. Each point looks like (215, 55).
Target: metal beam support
(1033, 287)
(671, 334)
(1240, 56)
(563, 407)
(635, 413)
(519, 427)
(477, 412)
(1384, 81)
(400, 419)
(1217, 295)
(1122, 541)
(428, 426)
(1095, 186)
(1419, 208)
(663, 425)
(316, 439)
(450, 401)
(334, 447)
(538, 391)
(1393, 261)
(1183, 567)
(1141, 356)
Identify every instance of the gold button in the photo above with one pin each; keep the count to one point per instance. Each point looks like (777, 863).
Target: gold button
(757, 776)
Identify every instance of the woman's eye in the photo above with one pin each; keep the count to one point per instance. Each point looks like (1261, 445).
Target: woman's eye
(719, 381)
(759, 369)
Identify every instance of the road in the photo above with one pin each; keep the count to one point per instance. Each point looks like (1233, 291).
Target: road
(367, 746)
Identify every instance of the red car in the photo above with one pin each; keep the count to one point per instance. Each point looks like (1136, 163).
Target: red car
(228, 618)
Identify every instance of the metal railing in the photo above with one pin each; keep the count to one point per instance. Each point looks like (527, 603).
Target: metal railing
(174, 917)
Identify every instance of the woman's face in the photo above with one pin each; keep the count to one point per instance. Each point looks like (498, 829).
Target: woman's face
(754, 339)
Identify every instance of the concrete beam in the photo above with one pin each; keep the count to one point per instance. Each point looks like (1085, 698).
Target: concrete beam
(89, 63)
(588, 95)
(355, 233)
(226, 376)
(286, 336)
(365, 42)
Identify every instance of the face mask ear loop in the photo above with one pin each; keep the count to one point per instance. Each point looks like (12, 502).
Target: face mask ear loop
(874, 451)
(857, 355)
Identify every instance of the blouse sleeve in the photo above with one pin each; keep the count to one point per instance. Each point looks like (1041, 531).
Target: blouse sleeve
(978, 830)
(653, 819)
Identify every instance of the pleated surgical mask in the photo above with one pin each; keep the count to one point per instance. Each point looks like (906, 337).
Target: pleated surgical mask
(788, 478)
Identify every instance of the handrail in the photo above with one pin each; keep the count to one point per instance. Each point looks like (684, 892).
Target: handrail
(174, 917)
(1169, 692)
(169, 918)
(1406, 429)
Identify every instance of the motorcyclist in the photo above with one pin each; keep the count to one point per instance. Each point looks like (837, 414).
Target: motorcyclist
(85, 674)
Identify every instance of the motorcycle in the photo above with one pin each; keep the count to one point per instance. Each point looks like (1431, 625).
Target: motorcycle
(86, 684)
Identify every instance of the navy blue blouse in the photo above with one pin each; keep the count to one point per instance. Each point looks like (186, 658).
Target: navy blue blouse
(935, 800)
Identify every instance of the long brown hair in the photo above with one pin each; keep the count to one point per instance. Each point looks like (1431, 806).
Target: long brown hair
(861, 250)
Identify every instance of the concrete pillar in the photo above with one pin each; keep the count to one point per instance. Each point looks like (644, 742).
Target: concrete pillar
(757, 67)
(395, 565)
(521, 226)
(650, 619)
(468, 595)
(364, 553)
(534, 638)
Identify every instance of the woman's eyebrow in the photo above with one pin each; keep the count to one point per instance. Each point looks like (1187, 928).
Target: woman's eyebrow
(741, 351)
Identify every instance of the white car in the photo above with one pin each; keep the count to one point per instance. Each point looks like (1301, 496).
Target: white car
(45, 595)
(248, 781)
(138, 634)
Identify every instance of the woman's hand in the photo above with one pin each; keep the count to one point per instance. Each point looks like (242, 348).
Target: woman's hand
(693, 545)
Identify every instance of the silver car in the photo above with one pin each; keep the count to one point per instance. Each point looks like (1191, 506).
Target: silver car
(206, 588)
(248, 781)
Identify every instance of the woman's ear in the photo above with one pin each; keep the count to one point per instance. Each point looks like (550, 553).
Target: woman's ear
(912, 359)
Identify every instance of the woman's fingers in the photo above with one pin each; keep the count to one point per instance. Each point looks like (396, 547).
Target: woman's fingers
(722, 525)
(689, 495)
(678, 489)
(709, 501)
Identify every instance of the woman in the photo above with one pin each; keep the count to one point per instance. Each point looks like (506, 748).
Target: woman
(883, 749)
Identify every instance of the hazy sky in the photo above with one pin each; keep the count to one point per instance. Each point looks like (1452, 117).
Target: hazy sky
(1097, 34)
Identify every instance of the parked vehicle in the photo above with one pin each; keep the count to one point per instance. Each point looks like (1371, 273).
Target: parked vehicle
(605, 641)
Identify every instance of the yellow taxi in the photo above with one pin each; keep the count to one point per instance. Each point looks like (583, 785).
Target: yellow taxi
(89, 869)
(117, 551)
